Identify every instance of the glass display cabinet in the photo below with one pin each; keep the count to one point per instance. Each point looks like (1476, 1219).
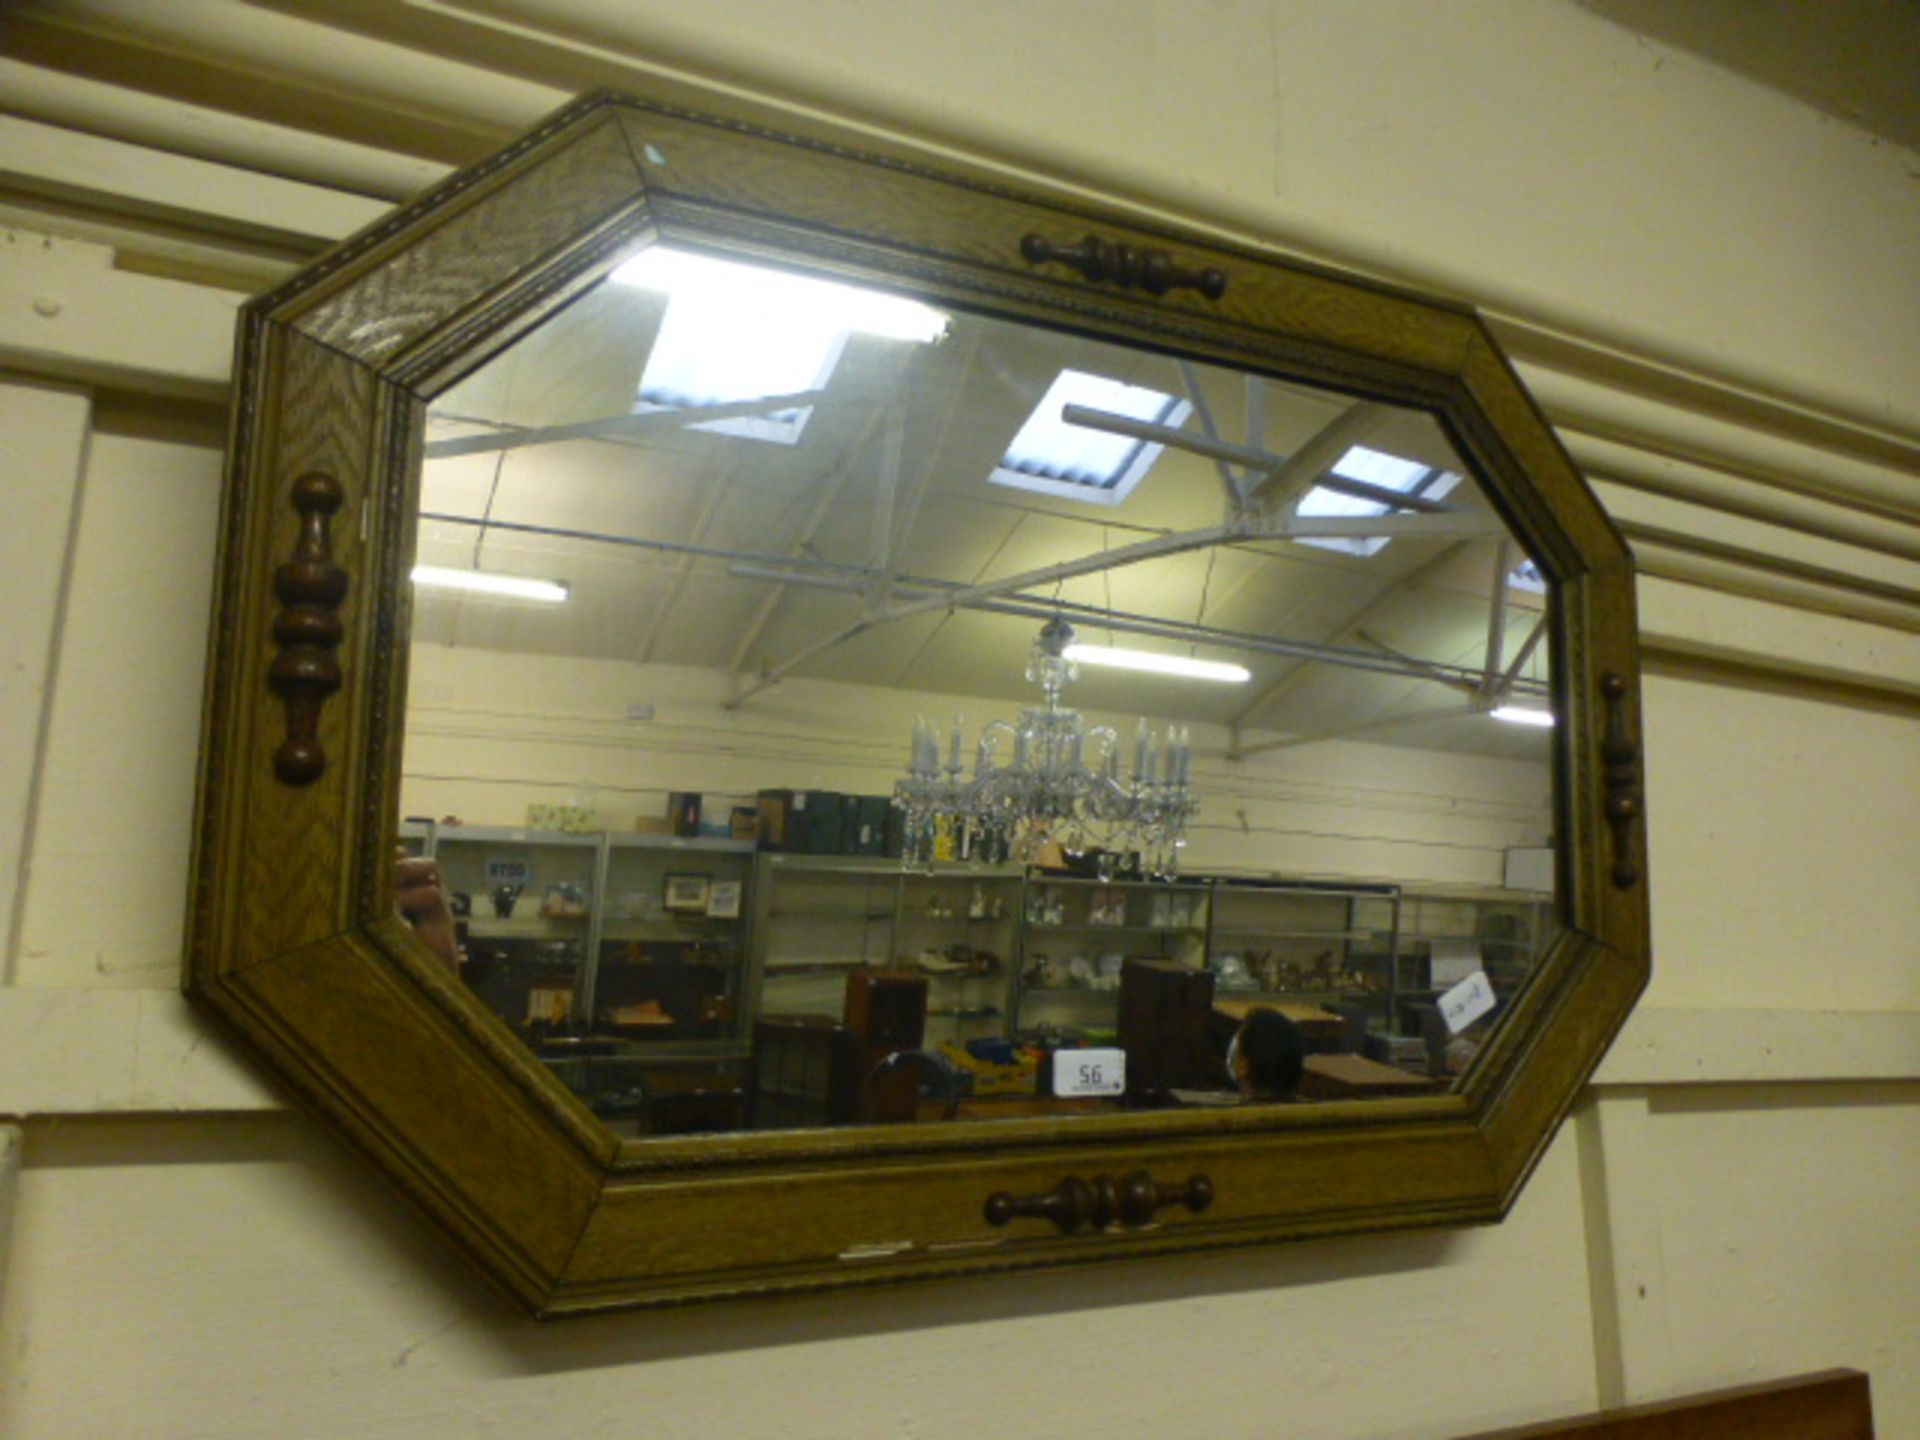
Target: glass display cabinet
(708, 449)
(1082, 931)
(818, 918)
(1447, 936)
(962, 929)
(530, 902)
(1311, 944)
(815, 920)
(670, 949)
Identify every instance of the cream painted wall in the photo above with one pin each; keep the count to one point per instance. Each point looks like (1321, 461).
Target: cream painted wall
(1735, 1198)
(483, 750)
(105, 903)
(325, 1312)
(51, 429)
(1753, 794)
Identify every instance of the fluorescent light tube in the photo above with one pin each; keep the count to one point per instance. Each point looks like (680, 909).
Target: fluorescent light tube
(1520, 715)
(514, 586)
(768, 301)
(1158, 664)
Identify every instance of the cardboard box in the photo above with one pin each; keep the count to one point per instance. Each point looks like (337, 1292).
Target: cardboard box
(807, 822)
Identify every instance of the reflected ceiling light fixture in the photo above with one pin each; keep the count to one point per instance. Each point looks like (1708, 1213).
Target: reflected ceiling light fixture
(1522, 715)
(1152, 662)
(770, 298)
(515, 587)
(1061, 783)
(736, 331)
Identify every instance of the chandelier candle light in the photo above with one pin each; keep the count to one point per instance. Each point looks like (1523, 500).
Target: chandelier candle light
(1062, 783)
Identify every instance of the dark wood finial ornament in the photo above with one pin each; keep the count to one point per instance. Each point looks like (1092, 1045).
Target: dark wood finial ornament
(1127, 266)
(308, 630)
(1103, 1202)
(1621, 777)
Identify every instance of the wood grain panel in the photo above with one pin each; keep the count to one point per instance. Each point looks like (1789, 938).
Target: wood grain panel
(294, 943)
(492, 237)
(845, 208)
(1832, 1405)
(362, 1047)
(667, 1239)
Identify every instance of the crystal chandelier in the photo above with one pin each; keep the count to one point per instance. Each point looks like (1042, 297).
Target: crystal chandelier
(1060, 783)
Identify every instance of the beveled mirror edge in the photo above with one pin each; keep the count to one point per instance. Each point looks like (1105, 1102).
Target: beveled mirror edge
(256, 968)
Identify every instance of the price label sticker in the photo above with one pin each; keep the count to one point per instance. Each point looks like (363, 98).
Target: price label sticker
(1089, 1072)
(1466, 1002)
(508, 872)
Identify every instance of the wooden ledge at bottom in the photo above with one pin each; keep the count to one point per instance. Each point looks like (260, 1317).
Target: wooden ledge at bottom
(1828, 1405)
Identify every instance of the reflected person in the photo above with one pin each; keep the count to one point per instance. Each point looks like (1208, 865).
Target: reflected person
(1267, 1056)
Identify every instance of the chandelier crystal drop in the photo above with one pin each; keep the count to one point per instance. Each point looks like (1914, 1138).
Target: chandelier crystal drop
(1049, 778)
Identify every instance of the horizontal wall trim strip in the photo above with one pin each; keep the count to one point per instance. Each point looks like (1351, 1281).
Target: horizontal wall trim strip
(1734, 494)
(178, 132)
(294, 220)
(1740, 571)
(73, 1052)
(1540, 352)
(37, 92)
(1662, 1046)
(1681, 619)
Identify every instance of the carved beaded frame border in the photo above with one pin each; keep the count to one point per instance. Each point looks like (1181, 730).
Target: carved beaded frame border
(294, 945)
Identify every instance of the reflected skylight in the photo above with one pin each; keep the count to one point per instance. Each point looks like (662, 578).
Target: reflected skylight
(1375, 467)
(1526, 576)
(735, 333)
(1055, 458)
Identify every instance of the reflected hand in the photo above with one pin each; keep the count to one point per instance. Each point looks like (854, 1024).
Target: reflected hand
(421, 895)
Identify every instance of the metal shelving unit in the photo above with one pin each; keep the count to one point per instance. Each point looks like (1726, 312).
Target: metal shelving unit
(1071, 980)
(1005, 951)
(1325, 943)
(819, 917)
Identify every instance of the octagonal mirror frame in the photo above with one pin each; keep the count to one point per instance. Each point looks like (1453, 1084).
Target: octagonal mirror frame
(295, 946)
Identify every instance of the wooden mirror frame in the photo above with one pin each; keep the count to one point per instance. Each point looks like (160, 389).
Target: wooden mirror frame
(295, 945)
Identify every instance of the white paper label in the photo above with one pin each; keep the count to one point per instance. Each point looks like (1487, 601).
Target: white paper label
(1466, 1002)
(1089, 1072)
(508, 872)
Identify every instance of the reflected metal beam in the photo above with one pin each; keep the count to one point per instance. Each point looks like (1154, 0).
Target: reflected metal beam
(1365, 727)
(900, 528)
(616, 427)
(1434, 670)
(1176, 543)
(1231, 481)
(822, 507)
(709, 511)
(628, 542)
(1293, 678)
(1497, 616)
(1265, 461)
(1308, 466)
(1511, 676)
(1040, 607)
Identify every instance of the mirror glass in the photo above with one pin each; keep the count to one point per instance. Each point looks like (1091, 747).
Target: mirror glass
(804, 716)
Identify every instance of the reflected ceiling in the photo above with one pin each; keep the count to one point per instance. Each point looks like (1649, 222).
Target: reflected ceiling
(763, 548)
